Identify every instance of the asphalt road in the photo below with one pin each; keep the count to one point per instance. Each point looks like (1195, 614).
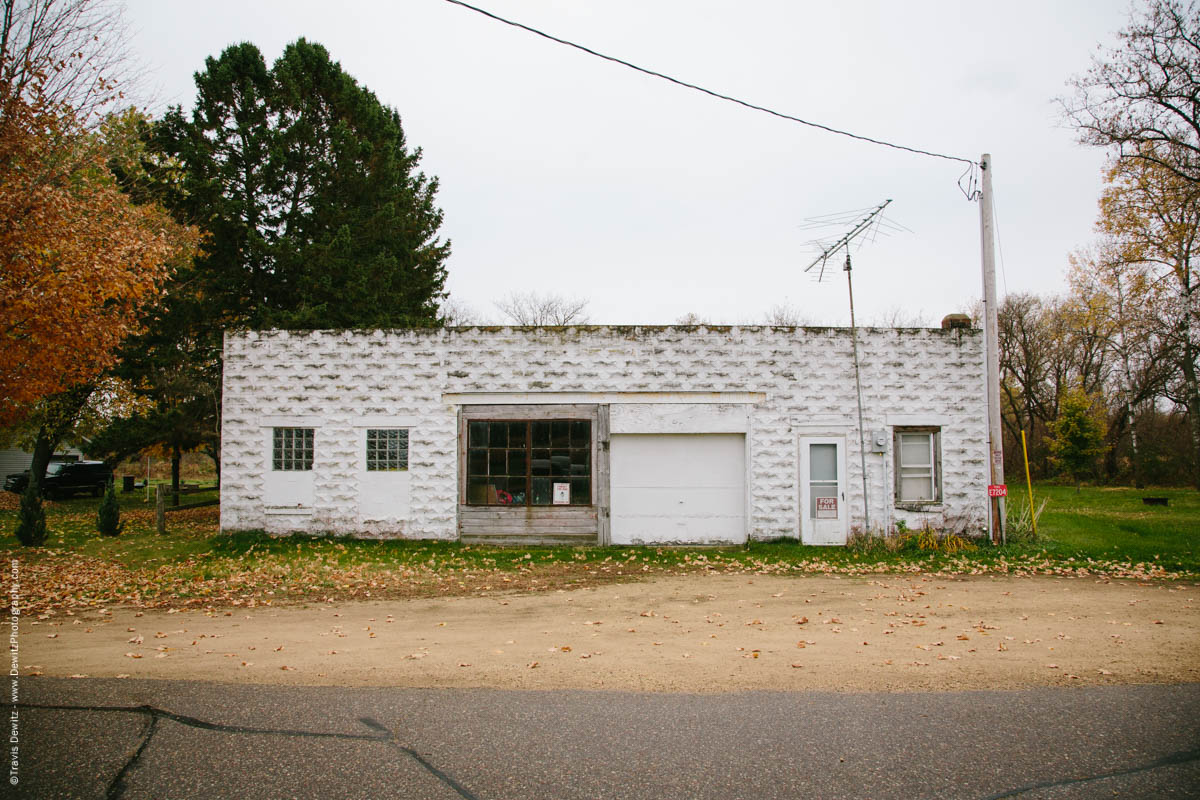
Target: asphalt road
(106, 738)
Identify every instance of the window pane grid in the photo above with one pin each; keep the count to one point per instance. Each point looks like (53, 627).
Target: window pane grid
(387, 449)
(292, 449)
(916, 466)
(518, 462)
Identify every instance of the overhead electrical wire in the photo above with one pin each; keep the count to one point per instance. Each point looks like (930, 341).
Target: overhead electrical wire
(709, 92)
(999, 242)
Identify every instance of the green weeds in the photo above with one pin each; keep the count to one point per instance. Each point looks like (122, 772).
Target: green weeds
(1097, 532)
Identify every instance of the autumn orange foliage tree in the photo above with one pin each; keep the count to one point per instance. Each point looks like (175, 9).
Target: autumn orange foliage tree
(78, 259)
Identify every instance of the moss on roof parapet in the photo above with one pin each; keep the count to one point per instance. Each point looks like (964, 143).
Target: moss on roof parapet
(623, 330)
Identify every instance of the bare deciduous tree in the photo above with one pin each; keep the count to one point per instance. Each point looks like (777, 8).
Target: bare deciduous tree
(531, 308)
(1124, 303)
(454, 312)
(71, 52)
(1141, 97)
(1154, 217)
(691, 318)
(786, 315)
(897, 317)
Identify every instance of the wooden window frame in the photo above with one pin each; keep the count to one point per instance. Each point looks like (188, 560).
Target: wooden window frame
(935, 433)
(529, 448)
(596, 414)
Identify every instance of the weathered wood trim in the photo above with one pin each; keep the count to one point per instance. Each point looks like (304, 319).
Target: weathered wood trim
(523, 540)
(528, 520)
(462, 458)
(593, 398)
(602, 484)
(531, 411)
(921, 505)
(748, 479)
(548, 512)
(532, 521)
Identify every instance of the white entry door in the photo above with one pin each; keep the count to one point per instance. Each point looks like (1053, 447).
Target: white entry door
(823, 517)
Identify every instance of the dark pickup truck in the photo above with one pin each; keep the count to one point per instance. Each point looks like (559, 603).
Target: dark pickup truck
(64, 479)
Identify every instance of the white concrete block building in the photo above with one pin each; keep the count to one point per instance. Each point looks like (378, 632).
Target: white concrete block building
(599, 435)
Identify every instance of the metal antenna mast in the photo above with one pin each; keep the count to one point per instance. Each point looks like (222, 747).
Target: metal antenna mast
(823, 259)
(862, 225)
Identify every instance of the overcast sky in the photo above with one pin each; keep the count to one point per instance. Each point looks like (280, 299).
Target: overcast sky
(564, 173)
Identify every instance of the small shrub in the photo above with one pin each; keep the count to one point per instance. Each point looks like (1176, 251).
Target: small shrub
(1019, 522)
(866, 543)
(927, 540)
(31, 518)
(108, 517)
(953, 543)
(877, 543)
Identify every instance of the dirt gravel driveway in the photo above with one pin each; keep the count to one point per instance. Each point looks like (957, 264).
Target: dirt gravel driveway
(680, 634)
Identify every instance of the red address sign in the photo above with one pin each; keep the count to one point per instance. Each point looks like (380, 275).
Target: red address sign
(998, 490)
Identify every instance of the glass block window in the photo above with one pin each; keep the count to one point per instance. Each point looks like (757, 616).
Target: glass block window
(529, 462)
(292, 449)
(387, 449)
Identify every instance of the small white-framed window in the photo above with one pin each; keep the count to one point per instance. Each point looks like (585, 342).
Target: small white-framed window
(387, 449)
(292, 449)
(918, 468)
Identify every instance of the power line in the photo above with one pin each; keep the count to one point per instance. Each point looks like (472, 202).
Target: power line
(708, 92)
(999, 242)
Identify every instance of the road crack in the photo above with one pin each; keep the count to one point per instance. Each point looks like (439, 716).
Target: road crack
(1181, 757)
(153, 715)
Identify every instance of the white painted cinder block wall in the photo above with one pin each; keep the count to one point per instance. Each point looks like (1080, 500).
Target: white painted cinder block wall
(342, 382)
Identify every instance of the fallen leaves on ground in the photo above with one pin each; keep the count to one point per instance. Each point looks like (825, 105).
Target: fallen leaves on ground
(63, 579)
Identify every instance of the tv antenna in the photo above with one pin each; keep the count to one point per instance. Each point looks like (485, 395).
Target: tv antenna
(864, 225)
(872, 220)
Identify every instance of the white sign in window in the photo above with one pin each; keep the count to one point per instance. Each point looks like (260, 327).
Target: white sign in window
(562, 494)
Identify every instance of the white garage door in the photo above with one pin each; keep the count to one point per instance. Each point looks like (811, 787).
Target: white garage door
(686, 488)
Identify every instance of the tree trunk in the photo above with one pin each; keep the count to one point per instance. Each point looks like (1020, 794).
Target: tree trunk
(1116, 432)
(1130, 418)
(1192, 396)
(217, 398)
(43, 449)
(212, 452)
(1191, 392)
(1134, 456)
(58, 414)
(176, 457)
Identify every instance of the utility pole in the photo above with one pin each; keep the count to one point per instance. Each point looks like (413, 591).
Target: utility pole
(991, 335)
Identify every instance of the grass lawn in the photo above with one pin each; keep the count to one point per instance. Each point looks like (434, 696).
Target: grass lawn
(1114, 523)
(1099, 531)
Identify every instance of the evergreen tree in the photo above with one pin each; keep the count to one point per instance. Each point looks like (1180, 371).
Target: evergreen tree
(108, 516)
(31, 518)
(315, 213)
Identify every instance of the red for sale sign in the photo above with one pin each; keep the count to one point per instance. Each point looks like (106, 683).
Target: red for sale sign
(998, 490)
(827, 508)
